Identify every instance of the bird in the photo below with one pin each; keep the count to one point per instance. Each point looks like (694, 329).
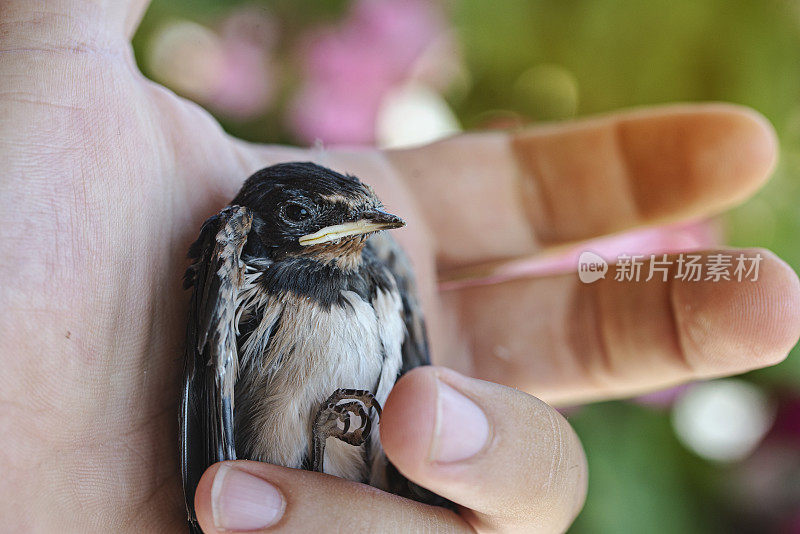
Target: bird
(303, 315)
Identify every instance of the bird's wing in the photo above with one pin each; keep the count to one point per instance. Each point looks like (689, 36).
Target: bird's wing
(415, 342)
(414, 353)
(216, 277)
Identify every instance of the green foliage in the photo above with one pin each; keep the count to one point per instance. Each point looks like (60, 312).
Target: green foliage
(640, 478)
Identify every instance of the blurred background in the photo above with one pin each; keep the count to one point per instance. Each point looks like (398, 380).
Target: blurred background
(719, 456)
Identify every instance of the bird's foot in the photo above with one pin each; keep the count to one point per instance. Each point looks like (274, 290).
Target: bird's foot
(333, 420)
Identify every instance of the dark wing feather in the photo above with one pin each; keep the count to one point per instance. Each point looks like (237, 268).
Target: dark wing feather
(415, 343)
(216, 276)
(415, 350)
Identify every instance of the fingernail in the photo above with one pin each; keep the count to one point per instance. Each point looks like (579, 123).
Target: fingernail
(461, 428)
(240, 501)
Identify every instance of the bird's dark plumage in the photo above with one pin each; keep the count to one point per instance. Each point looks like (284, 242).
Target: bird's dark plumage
(294, 297)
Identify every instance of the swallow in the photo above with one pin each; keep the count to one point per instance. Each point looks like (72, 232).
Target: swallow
(303, 315)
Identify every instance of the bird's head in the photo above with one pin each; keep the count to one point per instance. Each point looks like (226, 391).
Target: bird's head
(303, 209)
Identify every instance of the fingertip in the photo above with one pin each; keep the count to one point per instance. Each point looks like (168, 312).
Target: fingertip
(202, 495)
(235, 496)
(774, 308)
(766, 137)
(737, 148)
(202, 498)
(732, 326)
(692, 160)
(408, 419)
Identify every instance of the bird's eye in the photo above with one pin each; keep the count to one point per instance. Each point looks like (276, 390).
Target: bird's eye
(295, 213)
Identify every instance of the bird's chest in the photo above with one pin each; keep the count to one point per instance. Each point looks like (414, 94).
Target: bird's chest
(322, 350)
(307, 352)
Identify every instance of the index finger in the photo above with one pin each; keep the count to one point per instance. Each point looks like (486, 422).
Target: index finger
(499, 195)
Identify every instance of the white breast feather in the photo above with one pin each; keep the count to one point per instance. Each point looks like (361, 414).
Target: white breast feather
(312, 353)
(388, 309)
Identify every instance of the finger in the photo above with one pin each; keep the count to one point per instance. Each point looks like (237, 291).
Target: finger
(566, 341)
(245, 496)
(69, 25)
(511, 461)
(497, 195)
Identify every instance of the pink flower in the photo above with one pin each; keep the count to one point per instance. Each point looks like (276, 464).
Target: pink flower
(230, 70)
(246, 82)
(350, 68)
(399, 31)
(335, 115)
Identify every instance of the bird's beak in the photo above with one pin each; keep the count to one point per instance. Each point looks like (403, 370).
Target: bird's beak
(370, 221)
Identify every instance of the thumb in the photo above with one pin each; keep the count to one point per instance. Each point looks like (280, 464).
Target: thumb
(510, 460)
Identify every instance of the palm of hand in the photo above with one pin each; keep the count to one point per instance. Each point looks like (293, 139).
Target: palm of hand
(108, 179)
(111, 192)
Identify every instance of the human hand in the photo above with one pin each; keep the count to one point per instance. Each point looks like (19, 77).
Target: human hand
(108, 177)
(511, 462)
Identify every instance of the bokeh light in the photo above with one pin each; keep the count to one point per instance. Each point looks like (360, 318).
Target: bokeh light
(723, 420)
(413, 114)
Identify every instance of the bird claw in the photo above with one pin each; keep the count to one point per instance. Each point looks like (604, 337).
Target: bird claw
(333, 412)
